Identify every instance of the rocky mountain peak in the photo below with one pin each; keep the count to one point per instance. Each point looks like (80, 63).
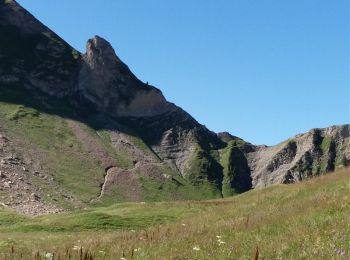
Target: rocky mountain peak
(99, 51)
(109, 83)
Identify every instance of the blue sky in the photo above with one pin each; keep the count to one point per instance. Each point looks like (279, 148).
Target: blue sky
(262, 70)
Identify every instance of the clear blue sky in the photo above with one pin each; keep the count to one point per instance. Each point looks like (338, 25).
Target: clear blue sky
(263, 70)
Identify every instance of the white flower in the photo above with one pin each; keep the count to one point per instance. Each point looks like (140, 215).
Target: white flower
(76, 247)
(49, 256)
(221, 242)
(122, 258)
(183, 224)
(137, 249)
(218, 237)
(196, 248)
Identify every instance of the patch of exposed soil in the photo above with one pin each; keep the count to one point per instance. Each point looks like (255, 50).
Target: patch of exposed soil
(124, 181)
(17, 190)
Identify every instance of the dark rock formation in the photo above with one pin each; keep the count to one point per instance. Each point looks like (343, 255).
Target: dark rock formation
(33, 55)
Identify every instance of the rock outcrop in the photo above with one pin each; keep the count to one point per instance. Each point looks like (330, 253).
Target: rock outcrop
(34, 56)
(109, 84)
(316, 152)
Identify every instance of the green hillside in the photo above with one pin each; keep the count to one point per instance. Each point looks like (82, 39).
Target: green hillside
(308, 220)
(75, 148)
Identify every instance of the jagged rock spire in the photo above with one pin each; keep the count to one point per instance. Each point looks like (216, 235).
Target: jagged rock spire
(100, 52)
(107, 82)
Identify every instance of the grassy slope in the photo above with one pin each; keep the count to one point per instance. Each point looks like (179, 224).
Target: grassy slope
(55, 145)
(309, 220)
(39, 124)
(236, 173)
(205, 173)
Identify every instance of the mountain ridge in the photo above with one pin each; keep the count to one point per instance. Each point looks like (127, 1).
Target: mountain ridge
(86, 125)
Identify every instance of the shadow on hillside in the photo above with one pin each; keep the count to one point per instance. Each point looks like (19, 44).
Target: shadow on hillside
(149, 130)
(74, 108)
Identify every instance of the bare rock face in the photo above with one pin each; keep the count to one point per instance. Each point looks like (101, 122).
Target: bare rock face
(19, 17)
(174, 136)
(316, 152)
(109, 84)
(33, 55)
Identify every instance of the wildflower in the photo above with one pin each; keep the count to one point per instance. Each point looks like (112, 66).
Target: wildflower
(218, 237)
(221, 242)
(49, 256)
(122, 258)
(137, 249)
(196, 248)
(183, 224)
(76, 247)
(133, 231)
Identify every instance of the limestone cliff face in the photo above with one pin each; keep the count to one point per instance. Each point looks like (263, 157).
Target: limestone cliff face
(174, 136)
(316, 152)
(109, 84)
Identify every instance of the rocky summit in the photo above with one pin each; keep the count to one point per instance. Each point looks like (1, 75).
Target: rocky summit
(80, 129)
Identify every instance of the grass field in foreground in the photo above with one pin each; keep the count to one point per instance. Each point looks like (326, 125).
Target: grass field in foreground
(308, 220)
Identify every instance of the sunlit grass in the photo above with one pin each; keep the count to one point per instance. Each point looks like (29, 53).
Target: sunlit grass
(309, 220)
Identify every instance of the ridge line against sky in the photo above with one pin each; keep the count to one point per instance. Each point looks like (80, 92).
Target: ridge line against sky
(264, 71)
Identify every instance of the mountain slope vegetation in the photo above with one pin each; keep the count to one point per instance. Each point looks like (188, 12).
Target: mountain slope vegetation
(307, 220)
